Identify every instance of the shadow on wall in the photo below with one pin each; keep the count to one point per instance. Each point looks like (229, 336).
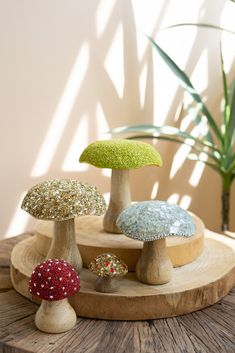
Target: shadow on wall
(67, 80)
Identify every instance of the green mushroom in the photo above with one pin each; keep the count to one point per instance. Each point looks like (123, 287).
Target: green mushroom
(120, 156)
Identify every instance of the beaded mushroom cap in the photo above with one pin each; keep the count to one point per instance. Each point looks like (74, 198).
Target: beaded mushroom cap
(108, 265)
(120, 154)
(62, 199)
(54, 280)
(151, 220)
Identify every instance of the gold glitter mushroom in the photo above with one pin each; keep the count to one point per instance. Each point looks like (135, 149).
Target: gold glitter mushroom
(61, 200)
(119, 155)
(108, 267)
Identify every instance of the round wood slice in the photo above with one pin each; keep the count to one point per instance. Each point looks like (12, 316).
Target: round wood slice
(92, 241)
(193, 286)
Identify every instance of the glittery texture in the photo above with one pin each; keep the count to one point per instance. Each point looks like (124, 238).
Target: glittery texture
(54, 280)
(120, 154)
(61, 199)
(108, 265)
(151, 220)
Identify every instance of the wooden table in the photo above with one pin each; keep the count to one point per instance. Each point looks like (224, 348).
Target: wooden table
(208, 331)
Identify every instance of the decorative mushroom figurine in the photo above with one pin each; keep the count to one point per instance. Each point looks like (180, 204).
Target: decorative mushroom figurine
(108, 267)
(151, 222)
(61, 200)
(120, 156)
(54, 281)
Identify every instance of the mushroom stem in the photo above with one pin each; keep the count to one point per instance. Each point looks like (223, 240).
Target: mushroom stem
(120, 198)
(63, 245)
(106, 284)
(154, 265)
(55, 316)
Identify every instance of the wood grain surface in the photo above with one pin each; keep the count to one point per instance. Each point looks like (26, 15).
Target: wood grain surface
(192, 287)
(207, 331)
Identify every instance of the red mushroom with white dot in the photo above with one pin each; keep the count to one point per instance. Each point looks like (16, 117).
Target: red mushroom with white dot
(54, 281)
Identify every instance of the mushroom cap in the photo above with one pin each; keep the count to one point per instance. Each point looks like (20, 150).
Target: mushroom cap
(151, 220)
(54, 280)
(108, 265)
(120, 154)
(62, 199)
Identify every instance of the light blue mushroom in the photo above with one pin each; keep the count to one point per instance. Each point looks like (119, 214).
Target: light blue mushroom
(151, 222)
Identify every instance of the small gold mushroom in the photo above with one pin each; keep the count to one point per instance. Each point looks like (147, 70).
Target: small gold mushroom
(108, 267)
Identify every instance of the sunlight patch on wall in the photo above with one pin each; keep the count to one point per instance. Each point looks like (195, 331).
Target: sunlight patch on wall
(173, 198)
(142, 84)
(179, 159)
(103, 14)
(142, 45)
(154, 190)
(114, 61)
(185, 201)
(186, 121)
(102, 129)
(199, 77)
(167, 88)
(62, 113)
(79, 142)
(102, 125)
(106, 197)
(228, 49)
(196, 174)
(19, 220)
(143, 12)
(227, 19)
(183, 151)
(106, 172)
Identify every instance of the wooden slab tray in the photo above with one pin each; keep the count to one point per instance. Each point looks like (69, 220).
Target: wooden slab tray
(193, 286)
(92, 240)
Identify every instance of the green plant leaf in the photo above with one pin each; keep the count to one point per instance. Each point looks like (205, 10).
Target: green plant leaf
(231, 168)
(231, 124)
(225, 86)
(204, 25)
(166, 130)
(194, 157)
(197, 119)
(182, 142)
(187, 85)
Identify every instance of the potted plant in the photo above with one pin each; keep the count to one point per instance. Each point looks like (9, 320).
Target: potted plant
(216, 147)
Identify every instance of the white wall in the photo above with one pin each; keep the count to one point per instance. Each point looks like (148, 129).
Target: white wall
(71, 70)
